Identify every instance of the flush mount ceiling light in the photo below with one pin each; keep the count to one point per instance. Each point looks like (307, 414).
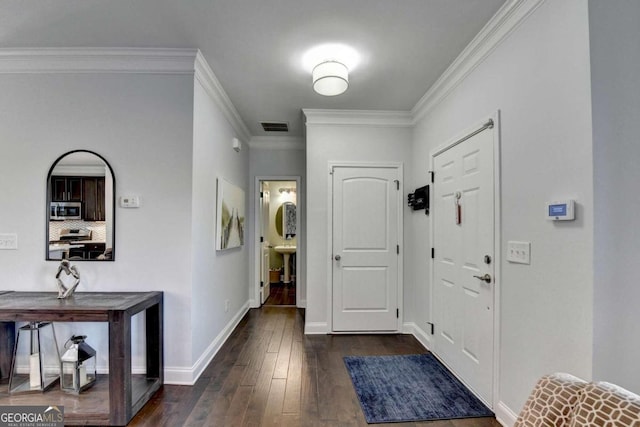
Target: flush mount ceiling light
(330, 65)
(330, 78)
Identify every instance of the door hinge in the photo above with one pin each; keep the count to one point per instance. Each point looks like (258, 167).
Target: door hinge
(397, 313)
(433, 175)
(433, 253)
(261, 284)
(432, 327)
(261, 194)
(398, 249)
(331, 171)
(261, 239)
(397, 184)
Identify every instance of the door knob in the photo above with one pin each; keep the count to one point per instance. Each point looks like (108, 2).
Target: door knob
(486, 278)
(337, 257)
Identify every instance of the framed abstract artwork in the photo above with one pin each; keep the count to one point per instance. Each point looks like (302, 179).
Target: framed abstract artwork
(230, 215)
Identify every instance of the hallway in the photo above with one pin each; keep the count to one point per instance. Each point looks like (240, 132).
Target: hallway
(270, 374)
(281, 294)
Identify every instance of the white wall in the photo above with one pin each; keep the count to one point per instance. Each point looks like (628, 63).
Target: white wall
(539, 80)
(282, 158)
(167, 136)
(142, 125)
(217, 275)
(615, 67)
(331, 142)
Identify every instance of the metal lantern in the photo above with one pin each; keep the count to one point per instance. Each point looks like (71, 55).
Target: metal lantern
(78, 364)
(36, 361)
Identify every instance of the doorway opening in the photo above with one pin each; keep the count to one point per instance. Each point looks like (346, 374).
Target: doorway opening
(278, 240)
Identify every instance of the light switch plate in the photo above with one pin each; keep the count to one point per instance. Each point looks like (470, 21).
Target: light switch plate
(519, 252)
(8, 241)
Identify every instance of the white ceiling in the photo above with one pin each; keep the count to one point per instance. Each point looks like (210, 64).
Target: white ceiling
(255, 47)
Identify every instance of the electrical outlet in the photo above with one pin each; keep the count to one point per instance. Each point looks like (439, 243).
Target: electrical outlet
(226, 305)
(9, 241)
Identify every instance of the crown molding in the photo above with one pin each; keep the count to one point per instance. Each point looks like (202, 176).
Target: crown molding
(97, 60)
(204, 74)
(501, 25)
(124, 60)
(315, 117)
(277, 143)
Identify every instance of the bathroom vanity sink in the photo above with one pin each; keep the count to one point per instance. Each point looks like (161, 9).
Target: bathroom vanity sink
(286, 251)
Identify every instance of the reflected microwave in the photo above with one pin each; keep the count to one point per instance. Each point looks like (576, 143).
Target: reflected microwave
(59, 211)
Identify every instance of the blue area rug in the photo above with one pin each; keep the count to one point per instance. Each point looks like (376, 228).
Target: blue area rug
(414, 387)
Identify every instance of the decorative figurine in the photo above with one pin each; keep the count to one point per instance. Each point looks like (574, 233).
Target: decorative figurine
(63, 291)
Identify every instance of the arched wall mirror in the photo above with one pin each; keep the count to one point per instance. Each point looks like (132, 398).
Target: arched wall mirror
(286, 220)
(80, 208)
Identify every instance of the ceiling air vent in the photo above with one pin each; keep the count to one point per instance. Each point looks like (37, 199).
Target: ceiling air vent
(275, 126)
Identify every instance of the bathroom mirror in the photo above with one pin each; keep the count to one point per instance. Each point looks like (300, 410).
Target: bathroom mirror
(80, 220)
(286, 220)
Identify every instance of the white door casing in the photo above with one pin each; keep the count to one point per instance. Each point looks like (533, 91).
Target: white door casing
(264, 228)
(366, 238)
(464, 244)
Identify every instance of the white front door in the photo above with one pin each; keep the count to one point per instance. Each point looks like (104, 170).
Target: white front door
(366, 224)
(463, 287)
(264, 245)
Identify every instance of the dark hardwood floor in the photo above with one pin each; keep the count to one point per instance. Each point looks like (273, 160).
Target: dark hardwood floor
(269, 373)
(281, 294)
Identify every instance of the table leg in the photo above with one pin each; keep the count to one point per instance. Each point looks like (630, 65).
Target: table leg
(120, 390)
(155, 342)
(7, 342)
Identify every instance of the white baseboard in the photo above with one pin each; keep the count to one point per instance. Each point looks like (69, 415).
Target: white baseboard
(422, 336)
(188, 376)
(176, 375)
(505, 415)
(316, 328)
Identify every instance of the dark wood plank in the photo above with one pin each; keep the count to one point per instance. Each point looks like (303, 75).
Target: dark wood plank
(258, 401)
(284, 353)
(293, 391)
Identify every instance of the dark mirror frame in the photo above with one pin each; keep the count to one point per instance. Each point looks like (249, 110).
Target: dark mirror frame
(48, 204)
(278, 218)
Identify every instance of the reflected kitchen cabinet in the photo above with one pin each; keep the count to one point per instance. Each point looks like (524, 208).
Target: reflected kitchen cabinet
(93, 198)
(66, 189)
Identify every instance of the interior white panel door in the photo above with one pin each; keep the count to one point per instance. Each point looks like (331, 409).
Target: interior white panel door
(365, 255)
(463, 303)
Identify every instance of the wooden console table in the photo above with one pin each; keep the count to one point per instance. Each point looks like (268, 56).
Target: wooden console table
(117, 308)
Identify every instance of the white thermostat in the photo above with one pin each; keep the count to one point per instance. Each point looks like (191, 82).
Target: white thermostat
(130, 202)
(561, 211)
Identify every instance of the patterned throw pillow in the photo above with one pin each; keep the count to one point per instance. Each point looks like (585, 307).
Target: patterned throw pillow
(551, 402)
(607, 405)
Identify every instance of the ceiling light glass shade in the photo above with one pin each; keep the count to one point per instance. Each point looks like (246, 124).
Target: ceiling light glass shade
(330, 78)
